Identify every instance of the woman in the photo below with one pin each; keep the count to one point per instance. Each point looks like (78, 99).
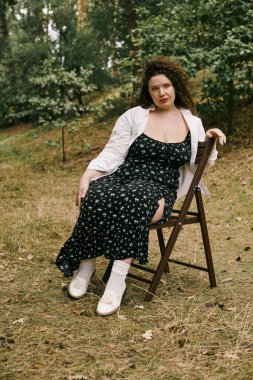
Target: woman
(135, 180)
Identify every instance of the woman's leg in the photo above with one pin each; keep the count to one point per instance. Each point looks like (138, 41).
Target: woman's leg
(115, 288)
(116, 284)
(159, 212)
(79, 284)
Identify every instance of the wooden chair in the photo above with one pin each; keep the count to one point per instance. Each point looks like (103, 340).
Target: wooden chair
(178, 219)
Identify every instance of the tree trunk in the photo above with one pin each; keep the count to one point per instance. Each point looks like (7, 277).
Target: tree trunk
(132, 25)
(63, 143)
(113, 39)
(230, 108)
(4, 32)
(82, 12)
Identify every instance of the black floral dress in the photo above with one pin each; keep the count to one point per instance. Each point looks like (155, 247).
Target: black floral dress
(116, 212)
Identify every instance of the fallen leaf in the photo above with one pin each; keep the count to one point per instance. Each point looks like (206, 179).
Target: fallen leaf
(238, 218)
(230, 308)
(175, 327)
(112, 346)
(208, 353)
(227, 279)
(122, 317)
(139, 307)
(231, 356)
(42, 329)
(30, 257)
(55, 235)
(37, 366)
(50, 316)
(20, 320)
(79, 312)
(148, 335)
(190, 297)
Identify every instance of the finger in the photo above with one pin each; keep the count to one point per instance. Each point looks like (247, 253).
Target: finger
(79, 198)
(222, 138)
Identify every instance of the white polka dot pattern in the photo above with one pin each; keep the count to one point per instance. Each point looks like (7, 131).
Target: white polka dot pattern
(116, 212)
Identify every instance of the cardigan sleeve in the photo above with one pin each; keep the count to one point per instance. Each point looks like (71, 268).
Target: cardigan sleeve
(116, 148)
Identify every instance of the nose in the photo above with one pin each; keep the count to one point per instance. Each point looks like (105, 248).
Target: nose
(161, 91)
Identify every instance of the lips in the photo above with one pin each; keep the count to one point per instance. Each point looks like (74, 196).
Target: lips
(164, 100)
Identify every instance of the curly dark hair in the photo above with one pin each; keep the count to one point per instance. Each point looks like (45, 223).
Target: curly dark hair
(180, 81)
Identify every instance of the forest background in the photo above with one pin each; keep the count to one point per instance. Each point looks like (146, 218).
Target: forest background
(68, 68)
(57, 56)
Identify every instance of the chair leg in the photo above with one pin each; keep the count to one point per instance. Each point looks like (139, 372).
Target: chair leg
(205, 237)
(107, 273)
(163, 262)
(162, 246)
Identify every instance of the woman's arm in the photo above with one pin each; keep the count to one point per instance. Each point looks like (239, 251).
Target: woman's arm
(116, 149)
(87, 176)
(112, 154)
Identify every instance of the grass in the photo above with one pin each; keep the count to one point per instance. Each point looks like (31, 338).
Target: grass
(196, 332)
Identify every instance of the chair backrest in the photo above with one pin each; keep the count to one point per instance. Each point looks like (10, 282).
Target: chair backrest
(204, 149)
(203, 153)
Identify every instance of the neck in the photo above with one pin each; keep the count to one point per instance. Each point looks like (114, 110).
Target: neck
(172, 109)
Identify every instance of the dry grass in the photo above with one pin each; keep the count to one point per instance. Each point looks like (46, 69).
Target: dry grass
(197, 332)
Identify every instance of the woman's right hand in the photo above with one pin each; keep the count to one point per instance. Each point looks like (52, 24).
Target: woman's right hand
(87, 176)
(83, 188)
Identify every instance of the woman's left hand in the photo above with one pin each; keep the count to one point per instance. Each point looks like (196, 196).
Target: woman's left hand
(217, 134)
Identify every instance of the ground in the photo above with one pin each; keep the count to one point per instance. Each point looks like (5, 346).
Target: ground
(189, 331)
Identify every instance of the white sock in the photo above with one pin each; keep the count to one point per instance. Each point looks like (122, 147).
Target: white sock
(118, 275)
(86, 268)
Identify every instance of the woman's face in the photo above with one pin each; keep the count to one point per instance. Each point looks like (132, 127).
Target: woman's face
(162, 92)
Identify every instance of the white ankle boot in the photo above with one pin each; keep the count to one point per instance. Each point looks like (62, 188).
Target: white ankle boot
(78, 287)
(110, 301)
(80, 282)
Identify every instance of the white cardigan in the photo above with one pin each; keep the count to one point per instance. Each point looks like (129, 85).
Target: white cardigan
(132, 124)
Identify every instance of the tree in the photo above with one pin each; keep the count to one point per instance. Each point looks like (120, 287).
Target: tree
(82, 14)
(211, 36)
(61, 95)
(4, 30)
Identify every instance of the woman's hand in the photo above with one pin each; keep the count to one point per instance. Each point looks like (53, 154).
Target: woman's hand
(87, 176)
(217, 134)
(83, 188)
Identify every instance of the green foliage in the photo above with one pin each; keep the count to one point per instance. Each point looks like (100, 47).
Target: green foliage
(118, 37)
(61, 93)
(201, 35)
